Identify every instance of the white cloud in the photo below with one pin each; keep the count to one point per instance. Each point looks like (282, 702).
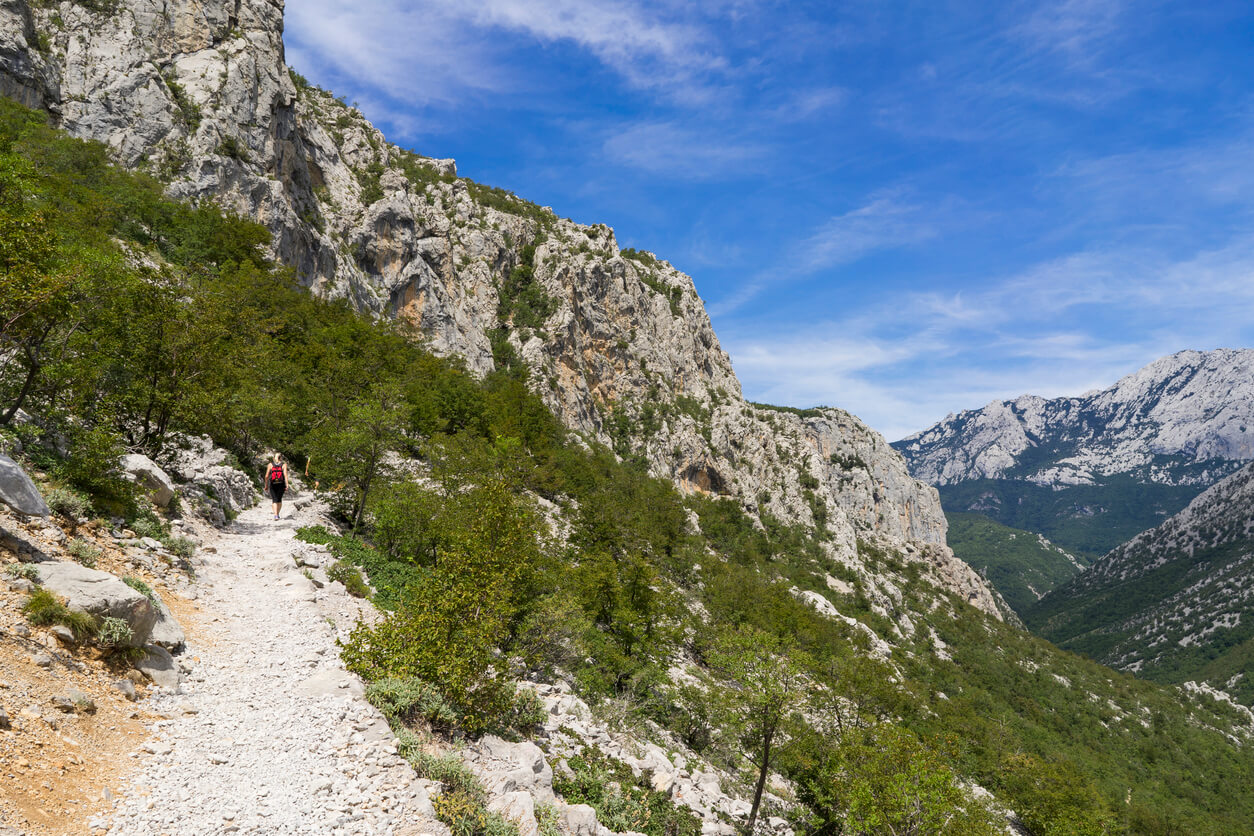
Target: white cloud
(439, 51)
(1060, 328)
(682, 151)
(887, 220)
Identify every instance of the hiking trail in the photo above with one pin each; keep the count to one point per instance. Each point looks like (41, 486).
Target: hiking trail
(267, 732)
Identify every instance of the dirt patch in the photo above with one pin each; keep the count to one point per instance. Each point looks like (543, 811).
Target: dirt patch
(61, 762)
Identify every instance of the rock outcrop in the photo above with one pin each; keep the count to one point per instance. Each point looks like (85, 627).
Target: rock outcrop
(100, 594)
(618, 342)
(18, 491)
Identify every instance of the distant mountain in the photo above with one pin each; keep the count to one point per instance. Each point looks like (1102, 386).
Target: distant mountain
(1092, 471)
(1186, 419)
(1173, 604)
(1021, 565)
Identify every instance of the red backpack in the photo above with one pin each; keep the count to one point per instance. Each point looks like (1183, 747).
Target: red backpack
(274, 475)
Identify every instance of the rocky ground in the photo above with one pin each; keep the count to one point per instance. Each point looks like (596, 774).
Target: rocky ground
(266, 732)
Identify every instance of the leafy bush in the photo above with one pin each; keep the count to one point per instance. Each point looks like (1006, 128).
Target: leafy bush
(149, 526)
(84, 552)
(350, 576)
(180, 546)
(140, 586)
(68, 503)
(622, 801)
(24, 571)
(407, 700)
(43, 608)
(113, 633)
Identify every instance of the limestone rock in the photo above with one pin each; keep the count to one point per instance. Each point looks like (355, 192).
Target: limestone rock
(144, 472)
(158, 665)
(167, 632)
(18, 491)
(101, 594)
(578, 820)
(519, 808)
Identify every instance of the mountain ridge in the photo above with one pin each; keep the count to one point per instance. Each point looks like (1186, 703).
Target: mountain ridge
(1184, 419)
(1175, 601)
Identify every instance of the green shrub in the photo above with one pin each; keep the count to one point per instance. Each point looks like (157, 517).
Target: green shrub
(24, 571)
(350, 576)
(622, 801)
(180, 546)
(84, 552)
(148, 526)
(113, 632)
(68, 503)
(43, 608)
(407, 700)
(466, 815)
(140, 586)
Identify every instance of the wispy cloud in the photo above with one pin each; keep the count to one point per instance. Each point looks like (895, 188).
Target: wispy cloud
(683, 151)
(1039, 332)
(436, 51)
(888, 219)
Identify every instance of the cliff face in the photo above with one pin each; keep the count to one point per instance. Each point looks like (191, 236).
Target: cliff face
(619, 343)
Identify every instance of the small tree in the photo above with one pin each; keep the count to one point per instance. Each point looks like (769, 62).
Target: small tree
(764, 691)
(352, 452)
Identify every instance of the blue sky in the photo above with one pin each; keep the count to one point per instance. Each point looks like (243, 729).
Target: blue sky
(900, 208)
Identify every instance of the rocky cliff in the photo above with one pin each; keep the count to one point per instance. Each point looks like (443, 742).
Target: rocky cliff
(618, 342)
(1173, 603)
(1186, 419)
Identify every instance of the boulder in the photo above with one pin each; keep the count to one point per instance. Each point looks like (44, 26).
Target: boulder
(158, 665)
(144, 472)
(167, 632)
(519, 808)
(578, 820)
(100, 594)
(18, 491)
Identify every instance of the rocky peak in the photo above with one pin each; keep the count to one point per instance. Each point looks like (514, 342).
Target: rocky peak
(1185, 419)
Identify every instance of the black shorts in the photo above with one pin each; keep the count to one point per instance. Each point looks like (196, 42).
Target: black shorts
(276, 492)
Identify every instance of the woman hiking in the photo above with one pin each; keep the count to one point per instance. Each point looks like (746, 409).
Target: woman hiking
(276, 482)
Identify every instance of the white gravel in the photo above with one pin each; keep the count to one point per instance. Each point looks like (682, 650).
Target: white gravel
(267, 732)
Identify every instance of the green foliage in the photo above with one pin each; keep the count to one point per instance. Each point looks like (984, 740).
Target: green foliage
(350, 576)
(84, 552)
(645, 258)
(43, 608)
(22, 571)
(1016, 563)
(68, 503)
(1086, 520)
(407, 701)
(883, 780)
(113, 633)
(623, 802)
(522, 300)
(446, 632)
(141, 586)
(188, 109)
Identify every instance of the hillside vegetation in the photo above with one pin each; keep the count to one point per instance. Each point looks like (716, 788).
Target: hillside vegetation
(1022, 566)
(1173, 604)
(1086, 520)
(499, 544)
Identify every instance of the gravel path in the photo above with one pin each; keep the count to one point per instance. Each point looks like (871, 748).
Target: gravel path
(267, 733)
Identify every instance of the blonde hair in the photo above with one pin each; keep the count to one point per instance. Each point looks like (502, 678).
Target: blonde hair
(278, 457)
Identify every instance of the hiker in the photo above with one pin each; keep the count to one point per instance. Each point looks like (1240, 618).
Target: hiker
(276, 482)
